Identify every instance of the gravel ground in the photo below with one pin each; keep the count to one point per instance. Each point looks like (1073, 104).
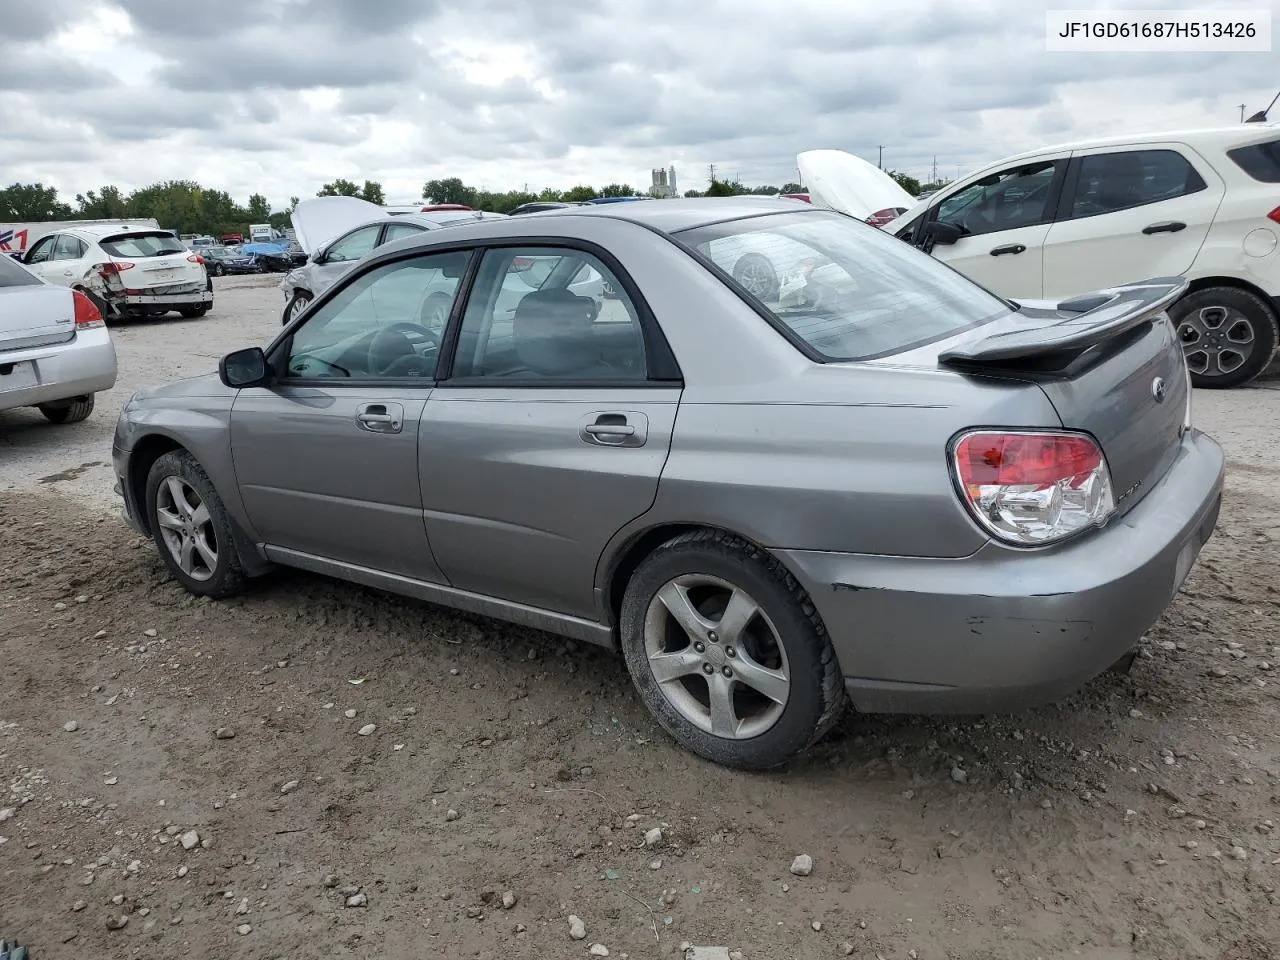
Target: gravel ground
(317, 769)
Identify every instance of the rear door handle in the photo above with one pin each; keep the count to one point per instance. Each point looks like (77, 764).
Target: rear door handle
(380, 417)
(1008, 248)
(615, 428)
(1165, 226)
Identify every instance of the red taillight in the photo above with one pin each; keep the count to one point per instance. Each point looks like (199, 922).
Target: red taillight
(519, 264)
(1274, 215)
(881, 217)
(1033, 488)
(196, 258)
(114, 268)
(88, 315)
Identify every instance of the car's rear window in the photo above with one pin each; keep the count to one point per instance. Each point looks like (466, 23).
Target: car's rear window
(12, 275)
(843, 289)
(1259, 160)
(135, 245)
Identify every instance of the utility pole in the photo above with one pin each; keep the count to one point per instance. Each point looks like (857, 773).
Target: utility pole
(934, 176)
(880, 161)
(1242, 113)
(712, 175)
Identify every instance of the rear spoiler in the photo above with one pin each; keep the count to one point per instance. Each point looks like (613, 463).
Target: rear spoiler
(1097, 317)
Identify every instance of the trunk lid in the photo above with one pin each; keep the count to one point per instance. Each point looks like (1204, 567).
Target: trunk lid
(1111, 365)
(151, 260)
(34, 315)
(840, 181)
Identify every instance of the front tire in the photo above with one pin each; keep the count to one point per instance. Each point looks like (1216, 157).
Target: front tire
(1228, 335)
(191, 527)
(70, 411)
(728, 652)
(297, 303)
(217, 270)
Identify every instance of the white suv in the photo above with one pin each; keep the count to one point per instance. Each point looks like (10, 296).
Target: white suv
(1065, 220)
(125, 271)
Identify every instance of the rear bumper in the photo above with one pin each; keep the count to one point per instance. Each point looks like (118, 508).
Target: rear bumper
(1006, 629)
(77, 368)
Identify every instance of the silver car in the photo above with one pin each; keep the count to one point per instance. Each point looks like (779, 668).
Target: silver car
(888, 488)
(55, 351)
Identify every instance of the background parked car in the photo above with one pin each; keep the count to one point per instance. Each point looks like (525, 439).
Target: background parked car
(223, 260)
(541, 206)
(55, 351)
(126, 272)
(280, 259)
(341, 230)
(1063, 220)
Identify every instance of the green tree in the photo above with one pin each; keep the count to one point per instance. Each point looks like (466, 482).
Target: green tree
(693, 193)
(450, 190)
(792, 187)
(372, 192)
(909, 184)
(107, 204)
(765, 191)
(32, 201)
(551, 195)
(618, 190)
(339, 188)
(722, 188)
(259, 209)
(579, 193)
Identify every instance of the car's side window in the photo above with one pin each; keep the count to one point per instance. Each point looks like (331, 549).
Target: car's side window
(68, 248)
(547, 314)
(353, 246)
(1017, 197)
(43, 250)
(384, 324)
(398, 231)
(1108, 182)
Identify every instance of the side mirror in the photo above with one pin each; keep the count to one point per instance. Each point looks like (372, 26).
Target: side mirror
(939, 231)
(244, 368)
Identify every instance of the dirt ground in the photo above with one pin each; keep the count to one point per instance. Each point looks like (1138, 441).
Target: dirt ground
(189, 779)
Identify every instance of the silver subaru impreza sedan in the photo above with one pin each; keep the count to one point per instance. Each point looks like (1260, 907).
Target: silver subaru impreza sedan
(873, 483)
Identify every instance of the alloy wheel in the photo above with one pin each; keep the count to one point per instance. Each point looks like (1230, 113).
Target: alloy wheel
(186, 528)
(716, 656)
(1216, 340)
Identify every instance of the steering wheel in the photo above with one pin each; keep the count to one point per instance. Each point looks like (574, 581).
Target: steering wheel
(393, 346)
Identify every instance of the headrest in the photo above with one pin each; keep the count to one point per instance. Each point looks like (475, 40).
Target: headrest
(553, 332)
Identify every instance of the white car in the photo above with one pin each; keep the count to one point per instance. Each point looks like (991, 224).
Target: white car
(1065, 220)
(55, 351)
(126, 271)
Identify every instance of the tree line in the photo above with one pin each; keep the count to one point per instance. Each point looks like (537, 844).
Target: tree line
(188, 207)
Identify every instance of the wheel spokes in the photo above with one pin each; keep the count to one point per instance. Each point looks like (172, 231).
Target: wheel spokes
(676, 599)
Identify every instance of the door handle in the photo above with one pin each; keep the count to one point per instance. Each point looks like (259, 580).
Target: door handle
(610, 430)
(615, 428)
(1008, 248)
(380, 417)
(1165, 226)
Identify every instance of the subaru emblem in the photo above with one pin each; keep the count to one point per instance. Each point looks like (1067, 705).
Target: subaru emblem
(1157, 389)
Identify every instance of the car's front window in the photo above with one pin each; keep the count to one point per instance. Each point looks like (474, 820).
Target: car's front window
(846, 290)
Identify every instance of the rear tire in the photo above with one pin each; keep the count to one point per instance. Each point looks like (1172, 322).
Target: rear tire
(216, 270)
(779, 644)
(72, 411)
(1228, 335)
(179, 490)
(192, 312)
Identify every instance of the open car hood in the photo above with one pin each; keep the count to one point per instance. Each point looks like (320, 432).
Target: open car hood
(840, 181)
(318, 220)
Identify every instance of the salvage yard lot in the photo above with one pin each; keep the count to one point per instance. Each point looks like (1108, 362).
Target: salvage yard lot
(1137, 819)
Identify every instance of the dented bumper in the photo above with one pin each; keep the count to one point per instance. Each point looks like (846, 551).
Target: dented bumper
(1005, 629)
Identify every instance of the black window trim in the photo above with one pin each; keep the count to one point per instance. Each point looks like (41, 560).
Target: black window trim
(377, 241)
(1263, 147)
(52, 239)
(658, 354)
(1072, 181)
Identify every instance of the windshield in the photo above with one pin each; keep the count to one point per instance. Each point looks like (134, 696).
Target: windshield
(135, 245)
(845, 290)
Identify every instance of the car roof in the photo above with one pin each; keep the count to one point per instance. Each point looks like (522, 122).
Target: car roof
(99, 231)
(1240, 133)
(672, 216)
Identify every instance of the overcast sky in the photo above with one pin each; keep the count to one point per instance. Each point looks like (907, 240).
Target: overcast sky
(278, 96)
